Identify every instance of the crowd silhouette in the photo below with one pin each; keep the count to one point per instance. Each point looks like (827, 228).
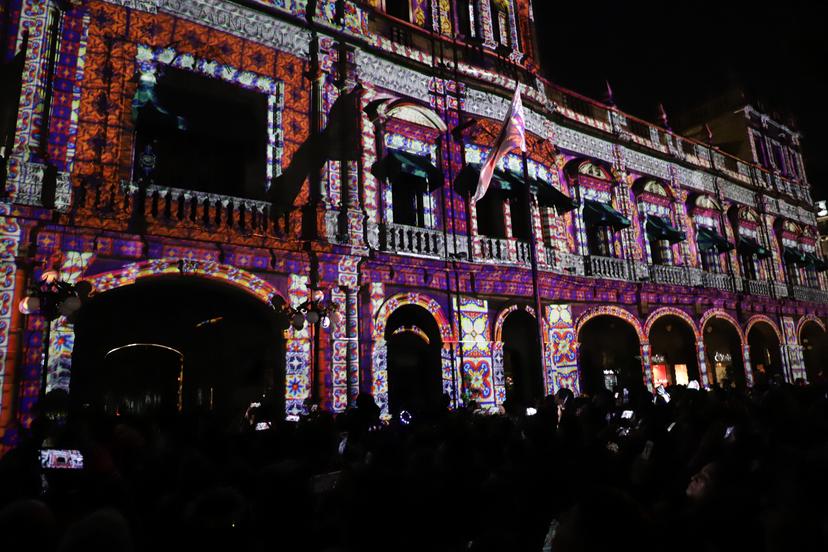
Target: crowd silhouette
(700, 470)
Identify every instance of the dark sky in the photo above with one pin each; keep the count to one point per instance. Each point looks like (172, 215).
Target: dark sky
(682, 57)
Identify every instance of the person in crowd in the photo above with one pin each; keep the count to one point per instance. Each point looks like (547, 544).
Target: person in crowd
(682, 469)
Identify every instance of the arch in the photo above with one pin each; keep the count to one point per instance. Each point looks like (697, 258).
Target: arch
(617, 312)
(769, 321)
(704, 201)
(653, 186)
(719, 313)
(497, 331)
(804, 320)
(413, 298)
(671, 311)
(232, 275)
(405, 110)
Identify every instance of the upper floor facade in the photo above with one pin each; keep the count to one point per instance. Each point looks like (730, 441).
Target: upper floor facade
(361, 126)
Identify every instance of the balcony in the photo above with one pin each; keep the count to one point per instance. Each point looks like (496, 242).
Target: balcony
(607, 267)
(565, 262)
(670, 275)
(499, 250)
(812, 295)
(413, 240)
(721, 282)
(758, 287)
(202, 210)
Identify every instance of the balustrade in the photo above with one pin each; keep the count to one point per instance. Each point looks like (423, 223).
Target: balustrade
(414, 240)
(180, 207)
(671, 275)
(717, 281)
(758, 287)
(607, 267)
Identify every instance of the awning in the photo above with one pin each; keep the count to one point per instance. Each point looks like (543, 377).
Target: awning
(550, 196)
(503, 183)
(749, 246)
(397, 162)
(708, 239)
(795, 256)
(661, 229)
(815, 263)
(602, 214)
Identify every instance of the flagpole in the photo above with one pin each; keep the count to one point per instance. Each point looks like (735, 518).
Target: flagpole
(529, 197)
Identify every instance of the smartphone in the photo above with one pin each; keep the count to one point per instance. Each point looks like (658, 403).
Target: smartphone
(61, 459)
(627, 415)
(671, 426)
(531, 411)
(728, 432)
(262, 426)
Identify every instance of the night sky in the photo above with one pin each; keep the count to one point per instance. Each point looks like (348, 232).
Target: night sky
(683, 57)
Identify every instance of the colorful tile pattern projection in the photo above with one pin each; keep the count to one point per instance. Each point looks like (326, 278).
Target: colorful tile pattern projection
(561, 350)
(474, 351)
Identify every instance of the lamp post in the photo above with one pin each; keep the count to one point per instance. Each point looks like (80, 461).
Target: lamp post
(52, 298)
(316, 312)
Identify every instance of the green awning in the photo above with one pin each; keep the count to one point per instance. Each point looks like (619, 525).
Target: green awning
(815, 263)
(602, 214)
(661, 229)
(503, 183)
(795, 256)
(550, 196)
(398, 162)
(709, 239)
(749, 246)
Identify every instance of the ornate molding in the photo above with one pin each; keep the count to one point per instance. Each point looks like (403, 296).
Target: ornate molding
(391, 76)
(241, 22)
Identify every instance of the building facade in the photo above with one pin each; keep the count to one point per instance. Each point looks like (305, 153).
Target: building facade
(289, 148)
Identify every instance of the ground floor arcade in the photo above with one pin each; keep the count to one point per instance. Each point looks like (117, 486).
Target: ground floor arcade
(214, 341)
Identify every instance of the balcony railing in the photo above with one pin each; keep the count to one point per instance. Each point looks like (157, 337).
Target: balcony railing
(758, 287)
(500, 250)
(414, 240)
(717, 281)
(807, 294)
(204, 210)
(607, 267)
(671, 275)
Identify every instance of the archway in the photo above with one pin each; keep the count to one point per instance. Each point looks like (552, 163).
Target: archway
(610, 354)
(673, 346)
(523, 378)
(723, 346)
(765, 353)
(229, 342)
(814, 341)
(414, 361)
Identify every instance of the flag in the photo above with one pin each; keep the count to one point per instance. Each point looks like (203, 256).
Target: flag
(610, 95)
(512, 136)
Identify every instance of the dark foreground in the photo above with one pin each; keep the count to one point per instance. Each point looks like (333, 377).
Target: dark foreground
(709, 471)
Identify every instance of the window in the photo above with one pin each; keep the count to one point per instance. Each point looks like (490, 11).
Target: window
(710, 261)
(779, 158)
(398, 9)
(409, 199)
(598, 241)
(203, 134)
(521, 219)
(500, 22)
(490, 218)
(749, 266)
(467, 18)
(761, 150)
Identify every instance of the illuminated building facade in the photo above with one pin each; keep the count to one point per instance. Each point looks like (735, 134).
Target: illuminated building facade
(276, 147)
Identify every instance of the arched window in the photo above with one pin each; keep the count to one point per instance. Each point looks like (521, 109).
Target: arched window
(655, 206)
(500, 22)
(467, 18)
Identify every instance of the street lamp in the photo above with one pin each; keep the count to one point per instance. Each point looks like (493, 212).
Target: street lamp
(52, 298)
(314, 312)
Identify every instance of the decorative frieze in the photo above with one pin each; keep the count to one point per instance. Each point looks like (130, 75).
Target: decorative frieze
(584, 144)
(646, 164)
(495, 107)
(383, 73)
(242, 22)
